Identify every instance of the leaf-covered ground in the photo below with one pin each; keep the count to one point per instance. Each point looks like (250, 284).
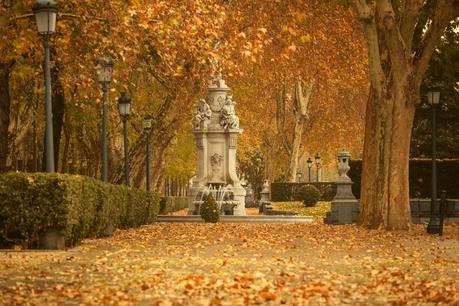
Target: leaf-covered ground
(229, 264)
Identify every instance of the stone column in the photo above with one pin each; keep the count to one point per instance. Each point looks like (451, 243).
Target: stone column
(344, 207)
(202, 156)
(232, 136)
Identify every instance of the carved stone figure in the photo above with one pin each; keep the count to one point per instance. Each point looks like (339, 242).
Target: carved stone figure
(216, 167)
(203, 114)
(228, 118)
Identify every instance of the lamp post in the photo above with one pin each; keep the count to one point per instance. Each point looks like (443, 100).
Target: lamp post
(434, 226)
(45, 12)
(317, 158)
(124, 107)
(309, 161)
(147, 128)
(104, 74)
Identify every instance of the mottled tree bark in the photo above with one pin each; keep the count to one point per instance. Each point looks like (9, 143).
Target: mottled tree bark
(397, 62)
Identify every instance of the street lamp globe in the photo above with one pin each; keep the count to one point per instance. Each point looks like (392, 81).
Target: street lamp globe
(45, 12)
(317, 158)
(433, 97)
(124, 105)
(105, 69)
(147, 124)
(309, 161)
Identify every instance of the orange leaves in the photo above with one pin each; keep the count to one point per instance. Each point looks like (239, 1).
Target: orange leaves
(292, 48)
(262, 30)
(171, 264)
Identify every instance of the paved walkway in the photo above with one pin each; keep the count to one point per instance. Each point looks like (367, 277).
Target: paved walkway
(240, 264)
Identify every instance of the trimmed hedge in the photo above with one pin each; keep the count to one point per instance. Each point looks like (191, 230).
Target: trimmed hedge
(284, 192)
(77, 206)
(172, 204)
(420, 177)
(420, 181)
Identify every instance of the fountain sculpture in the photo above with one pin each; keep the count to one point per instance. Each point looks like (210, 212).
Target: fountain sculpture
(216, 129)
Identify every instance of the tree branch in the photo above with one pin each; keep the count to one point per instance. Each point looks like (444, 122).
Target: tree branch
(367, 19)
(394, 40)
(280, 120)
(444, 13)
(408, 21)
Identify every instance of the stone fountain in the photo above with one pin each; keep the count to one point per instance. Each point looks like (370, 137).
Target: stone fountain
(216, 129)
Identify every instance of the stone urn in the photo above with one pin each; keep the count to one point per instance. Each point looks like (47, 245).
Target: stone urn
(343, 165)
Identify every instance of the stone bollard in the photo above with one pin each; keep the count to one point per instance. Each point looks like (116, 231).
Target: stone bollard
(249, 197)
(265, 199)
(344, 206)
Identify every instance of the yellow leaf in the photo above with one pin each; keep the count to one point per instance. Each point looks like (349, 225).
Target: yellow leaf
(305, 38)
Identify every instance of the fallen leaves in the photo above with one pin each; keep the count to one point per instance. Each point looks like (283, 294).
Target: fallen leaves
(240, 264)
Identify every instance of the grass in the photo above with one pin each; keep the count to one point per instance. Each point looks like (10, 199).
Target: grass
(317, 211)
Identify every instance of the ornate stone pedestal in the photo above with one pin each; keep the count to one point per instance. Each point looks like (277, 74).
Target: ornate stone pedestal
(216, 129)
(344, 207)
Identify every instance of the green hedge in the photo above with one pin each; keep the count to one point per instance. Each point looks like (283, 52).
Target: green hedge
(172, 204)
(420, 177)
(77, 206)
(282, 192)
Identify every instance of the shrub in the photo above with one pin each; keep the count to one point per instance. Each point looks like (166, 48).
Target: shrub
(76, 206)
(172, 204)
(309, 195)
(284, 192)
(209, 210)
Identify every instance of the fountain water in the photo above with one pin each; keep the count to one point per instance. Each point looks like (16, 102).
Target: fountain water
(222, 195)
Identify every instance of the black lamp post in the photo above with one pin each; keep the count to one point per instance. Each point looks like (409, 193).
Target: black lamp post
(317, 158)
(124, 106)
(309, 161)
(147, 128)
(434, 226)
(104, 74)
(45, 12)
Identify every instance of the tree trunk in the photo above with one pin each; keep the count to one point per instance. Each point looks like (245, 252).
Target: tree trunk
(400, 45)
(300, 109)
(385, 190)
(296, 145)
(5, 103)
(65, 154)
(58, 114)
(158, 169)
